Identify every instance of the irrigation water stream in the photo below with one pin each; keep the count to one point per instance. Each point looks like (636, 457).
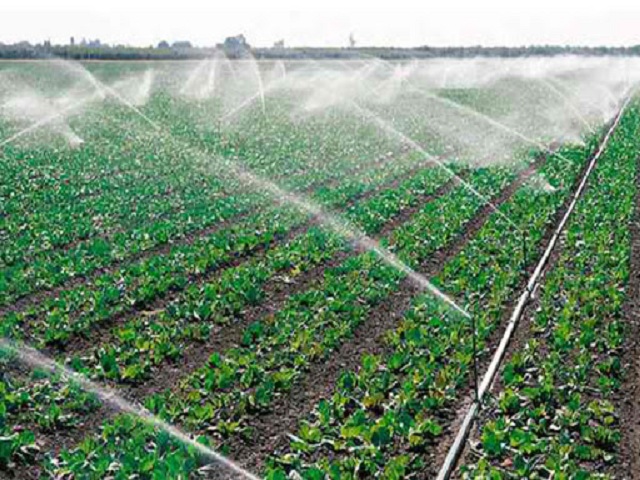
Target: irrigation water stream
(37, 360)
(31, 357)
(458, 445)
(303, 204)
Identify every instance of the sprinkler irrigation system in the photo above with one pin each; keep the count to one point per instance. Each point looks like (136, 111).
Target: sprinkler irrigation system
(35, 359)
(458, 445)
(207, 164)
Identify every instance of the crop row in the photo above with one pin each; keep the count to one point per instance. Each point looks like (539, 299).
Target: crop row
(141, 283)
(225, 298)
(383, 418)
(65, 221)
(554, 415)
(275, 351)
(57, 266)
(32, 407)
(145, 152)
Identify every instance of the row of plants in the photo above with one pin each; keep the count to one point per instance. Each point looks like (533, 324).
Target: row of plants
(147, 340)
(277, 350)
(40, 170)
(139, 284)
(71, 214)
(383, 418)
(84, 258)
(61, 225)
(34, 406)
(42, 177)
(553, 415)
(188, 214)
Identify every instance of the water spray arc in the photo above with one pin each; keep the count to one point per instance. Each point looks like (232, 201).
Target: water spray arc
(497, 125)
(522, 233)
(47, 120)
(480, 116)
(404, 138)
(305, 205)
(232, 113)
(391, 130)
(567, 101)
(101, 90)
(345, 230)
(35, 359)
(260, 86)
(566, 90)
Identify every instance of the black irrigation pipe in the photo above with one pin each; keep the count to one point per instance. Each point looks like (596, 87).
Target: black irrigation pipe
(458, 445)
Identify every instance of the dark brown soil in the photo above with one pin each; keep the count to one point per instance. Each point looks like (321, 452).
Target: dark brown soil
(269, 431)
(521, 334)
(196, 354)
(103, 333)
(277, 292)
(628, 401)
(50, 441)
(42, 294)
(81, 345)
(520, 337)
(321, 378)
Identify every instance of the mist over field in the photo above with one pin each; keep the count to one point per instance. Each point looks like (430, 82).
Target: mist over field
(314, 268)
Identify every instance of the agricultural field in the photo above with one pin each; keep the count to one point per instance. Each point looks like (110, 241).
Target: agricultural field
(320, 269)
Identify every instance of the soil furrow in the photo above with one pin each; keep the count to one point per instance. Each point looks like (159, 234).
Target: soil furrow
(31, 300)
(51, 440)
(269, 430)
(82, 344)
(107, 235)
(520, 336)
(277, 292)
(36, 298)
(627, 402)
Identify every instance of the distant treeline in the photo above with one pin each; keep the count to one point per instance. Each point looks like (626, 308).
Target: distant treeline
(107, 52)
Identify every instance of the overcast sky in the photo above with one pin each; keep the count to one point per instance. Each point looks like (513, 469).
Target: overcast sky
(325, 22)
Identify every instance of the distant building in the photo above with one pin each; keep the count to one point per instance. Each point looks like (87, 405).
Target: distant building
(352, 41)
(72, 41)
(235, 46)
(279, 44)
(181, 45)
(163, 44)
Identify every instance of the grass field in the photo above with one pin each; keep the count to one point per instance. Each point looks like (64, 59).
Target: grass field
(287, 262)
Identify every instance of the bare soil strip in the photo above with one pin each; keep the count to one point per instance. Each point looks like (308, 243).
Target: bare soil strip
(30, 300)
(104, 331)
(269, 430)
(520, 337)
(36, 298)
(628, 398)
(51, 440)
(277, 292)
